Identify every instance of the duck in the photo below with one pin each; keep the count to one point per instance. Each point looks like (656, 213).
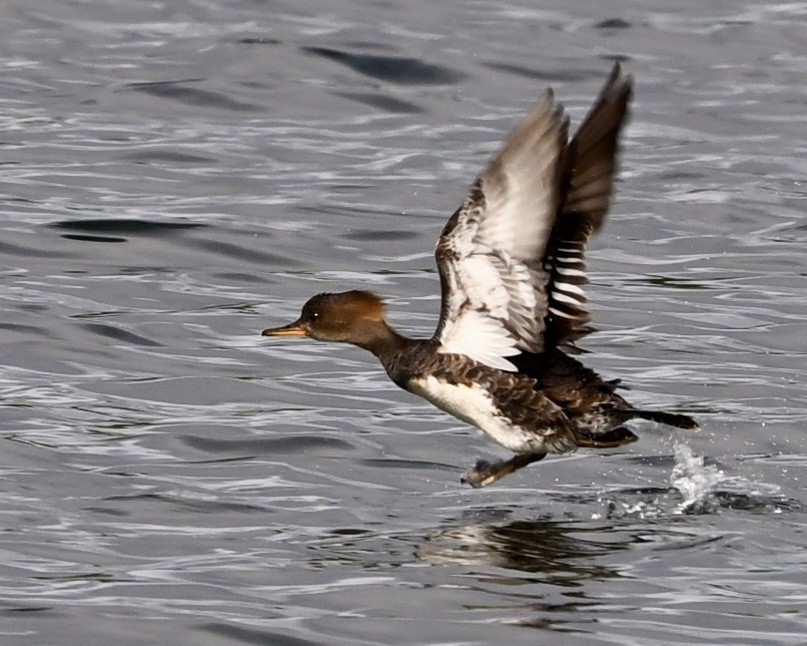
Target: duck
(512, 268)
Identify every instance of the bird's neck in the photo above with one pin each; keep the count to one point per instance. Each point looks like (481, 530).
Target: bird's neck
(382, 340)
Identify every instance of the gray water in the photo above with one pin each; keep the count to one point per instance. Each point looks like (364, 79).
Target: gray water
(178, 175)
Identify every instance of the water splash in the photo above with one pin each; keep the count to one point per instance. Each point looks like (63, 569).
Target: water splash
(703, 489)
(695, 480)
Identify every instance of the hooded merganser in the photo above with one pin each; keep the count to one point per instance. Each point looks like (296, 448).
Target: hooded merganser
(512, 271)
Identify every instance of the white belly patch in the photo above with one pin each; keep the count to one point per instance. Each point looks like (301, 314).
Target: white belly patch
(474, 405)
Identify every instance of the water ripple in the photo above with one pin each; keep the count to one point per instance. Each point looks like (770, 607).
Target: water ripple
(178, 177)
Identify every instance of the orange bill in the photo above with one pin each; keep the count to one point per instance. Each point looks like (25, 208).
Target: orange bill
(292, 329)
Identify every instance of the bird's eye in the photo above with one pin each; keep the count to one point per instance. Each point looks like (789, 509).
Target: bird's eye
(314, 316)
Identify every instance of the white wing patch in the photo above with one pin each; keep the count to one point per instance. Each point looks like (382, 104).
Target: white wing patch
(489, 255)
(498, 311)
(511, 258)
(481, 338)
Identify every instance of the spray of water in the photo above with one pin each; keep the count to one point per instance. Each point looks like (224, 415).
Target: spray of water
(704, 489)
(695, 480)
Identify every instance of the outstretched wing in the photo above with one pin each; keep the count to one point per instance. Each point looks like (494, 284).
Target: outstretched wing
(588, 168)
(489, 255)
(511, 258)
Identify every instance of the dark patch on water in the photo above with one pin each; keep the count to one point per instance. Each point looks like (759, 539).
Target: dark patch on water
(379, 235)
(266, 445)
(88, 238)
(112, 332)
(393, 69)
(382, 102)
(261, 637)
(121, 226)
(397, 463)
(646, 491)
(23, 329)
(613, 24)
(258, 40)
(181, 504)
(10, 611)
(240, 277)
(545, 75)
(675, 283)
(349, 531)
(29, 252)
(755, 502)
(160, 155)
(180, 92)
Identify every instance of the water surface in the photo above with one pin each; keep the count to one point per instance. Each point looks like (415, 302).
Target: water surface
(177, 176)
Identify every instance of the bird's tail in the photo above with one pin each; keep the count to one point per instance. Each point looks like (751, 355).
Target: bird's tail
(621, 435)
(670, 419)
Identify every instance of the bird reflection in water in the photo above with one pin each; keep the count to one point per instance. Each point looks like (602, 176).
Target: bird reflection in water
(543, 563)
(540, 546)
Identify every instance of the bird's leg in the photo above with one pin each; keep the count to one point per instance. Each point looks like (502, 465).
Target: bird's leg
(485, 473)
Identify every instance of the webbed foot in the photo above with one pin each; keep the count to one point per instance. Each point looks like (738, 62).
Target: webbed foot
(485, 473)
